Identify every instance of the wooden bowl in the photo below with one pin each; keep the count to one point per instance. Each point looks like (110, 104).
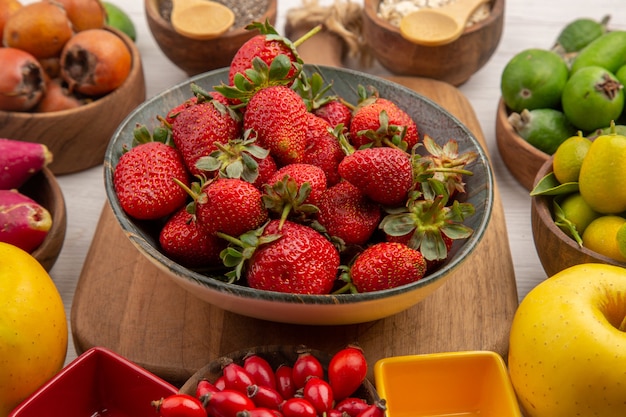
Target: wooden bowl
(556, 250)
(78, 137)
(197, 56)
(276, 355)
(44, 189)
(328, 309)
(453, 63)
(521, 158)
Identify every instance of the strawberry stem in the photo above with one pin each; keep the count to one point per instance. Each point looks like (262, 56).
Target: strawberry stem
(229, 238)
(307, 35)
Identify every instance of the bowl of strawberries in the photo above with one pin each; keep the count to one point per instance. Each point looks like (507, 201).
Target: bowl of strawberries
(298, 193)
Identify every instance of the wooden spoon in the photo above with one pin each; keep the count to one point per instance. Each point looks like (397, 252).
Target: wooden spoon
(438, 26)
(201, 19)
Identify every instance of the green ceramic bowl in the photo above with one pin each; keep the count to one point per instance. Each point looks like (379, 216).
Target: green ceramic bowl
(313, 309)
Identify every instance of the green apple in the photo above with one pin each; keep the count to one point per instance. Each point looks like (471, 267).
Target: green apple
(567, 350)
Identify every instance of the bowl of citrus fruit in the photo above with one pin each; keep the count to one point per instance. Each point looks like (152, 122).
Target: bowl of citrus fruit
(549, 94)
(299, 193)
(578, 203)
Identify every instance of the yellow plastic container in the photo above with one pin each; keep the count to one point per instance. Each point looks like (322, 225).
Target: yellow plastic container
(460, 384)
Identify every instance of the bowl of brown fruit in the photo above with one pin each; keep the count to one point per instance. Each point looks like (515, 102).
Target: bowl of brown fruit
(67, 86)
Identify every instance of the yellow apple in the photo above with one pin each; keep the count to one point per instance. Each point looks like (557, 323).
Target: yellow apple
(567, 351)
(33, 327)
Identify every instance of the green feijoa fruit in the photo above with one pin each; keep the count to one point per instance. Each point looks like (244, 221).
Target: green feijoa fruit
(545, 129)
(533, 79)
(580, 33)
(620, 74)
(118, 19)
(607, 51)
(592, 98)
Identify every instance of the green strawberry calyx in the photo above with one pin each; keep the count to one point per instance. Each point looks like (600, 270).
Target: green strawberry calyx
(288, 200)
(141, 134)
(240, 250)
(443, 163)
(386, 135)
(313, 90)
(426, 217)
(236, 158)
(258, 77)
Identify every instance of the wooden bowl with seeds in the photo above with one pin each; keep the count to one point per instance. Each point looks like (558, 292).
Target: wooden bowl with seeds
(454, 62)
(195, 56)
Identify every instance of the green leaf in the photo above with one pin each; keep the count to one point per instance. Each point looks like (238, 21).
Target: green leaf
(257, 151)
(457, 231)
(398, 224)
(565, 224)
(549, 185)
(208, 163)
(234, 170)
(280, 67)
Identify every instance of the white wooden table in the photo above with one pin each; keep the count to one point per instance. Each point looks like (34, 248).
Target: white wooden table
(528, 23)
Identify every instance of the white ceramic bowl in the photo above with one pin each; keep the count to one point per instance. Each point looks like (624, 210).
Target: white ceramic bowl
(313, 309)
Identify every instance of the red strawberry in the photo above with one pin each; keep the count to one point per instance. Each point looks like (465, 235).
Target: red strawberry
(386, 265)
(293, 191)
(323, 148)
(266, 46)
(266, 167)
(183, 241)
(171, 115)
(335, 112)
(300, 261)
(383, 174)
(278, 115)
(144, 181)
(196, 128)
(382, 123)
(303, 173)
(230, 206)
(347, 214)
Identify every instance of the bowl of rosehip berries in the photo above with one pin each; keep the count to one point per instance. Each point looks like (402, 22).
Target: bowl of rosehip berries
(67, 80)
(297, 193)
(282, 381)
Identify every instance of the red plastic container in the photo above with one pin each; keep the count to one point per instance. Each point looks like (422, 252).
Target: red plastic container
(97, 383)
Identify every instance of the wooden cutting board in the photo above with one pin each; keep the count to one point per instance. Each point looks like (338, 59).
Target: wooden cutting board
(126, 304)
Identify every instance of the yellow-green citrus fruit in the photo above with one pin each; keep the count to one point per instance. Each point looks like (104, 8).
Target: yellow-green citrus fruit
(568, 158)
(621, 239)
(592, 98)
(566, 347)
(33, 327)
(533, 79)
(117, 18)
(576, 210)
(600, 236)
(602, 178)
